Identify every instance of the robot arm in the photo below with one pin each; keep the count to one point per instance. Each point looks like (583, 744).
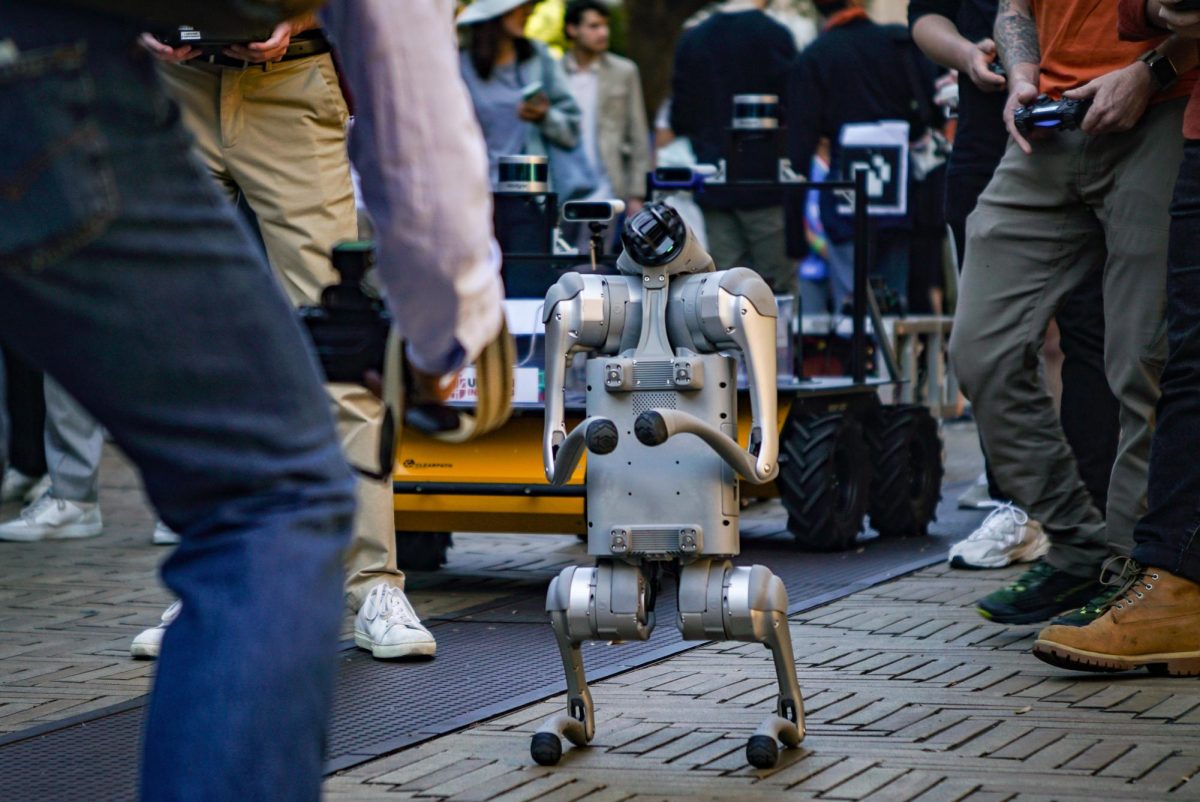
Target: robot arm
(732, 309)
(582, 313)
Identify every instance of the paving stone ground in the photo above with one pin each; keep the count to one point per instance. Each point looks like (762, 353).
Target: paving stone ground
(909, 694)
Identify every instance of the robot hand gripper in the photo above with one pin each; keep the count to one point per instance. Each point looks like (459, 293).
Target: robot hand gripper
(657, 338)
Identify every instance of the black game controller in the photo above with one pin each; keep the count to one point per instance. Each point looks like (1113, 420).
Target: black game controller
(1045, 114)
(1186, 5)
(995, 67)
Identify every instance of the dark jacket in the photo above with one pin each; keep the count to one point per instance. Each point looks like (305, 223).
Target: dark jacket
(734, 53)
(858, 72)
(980, 138)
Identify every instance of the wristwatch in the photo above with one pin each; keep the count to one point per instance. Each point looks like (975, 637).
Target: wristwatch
(1161, 68)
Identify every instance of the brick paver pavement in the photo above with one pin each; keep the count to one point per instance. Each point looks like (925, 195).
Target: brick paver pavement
(910, 696)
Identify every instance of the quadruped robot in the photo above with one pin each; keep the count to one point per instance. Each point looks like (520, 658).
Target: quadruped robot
(664, 461)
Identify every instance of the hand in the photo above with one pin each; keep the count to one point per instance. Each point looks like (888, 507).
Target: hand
(166, 53)
(1184, 23)
(1019, 94)
(534, 110)
(633, 206)
(429, 389)
(272, 50)
(978, 57)
(1119, 98)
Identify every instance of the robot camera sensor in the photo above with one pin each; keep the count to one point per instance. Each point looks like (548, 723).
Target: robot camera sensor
(592, 211)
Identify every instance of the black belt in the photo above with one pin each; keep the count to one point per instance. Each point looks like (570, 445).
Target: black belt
(298, 49)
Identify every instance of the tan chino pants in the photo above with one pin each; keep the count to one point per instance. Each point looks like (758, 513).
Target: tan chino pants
(276, 135)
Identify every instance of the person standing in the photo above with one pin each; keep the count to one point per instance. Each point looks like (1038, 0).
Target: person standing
(1058, 208)
(958, 34)
(126, 275)
(1154, 619)
(608, 89)
(738, 50)
(857, 71)
(519, 90)
(269, 122)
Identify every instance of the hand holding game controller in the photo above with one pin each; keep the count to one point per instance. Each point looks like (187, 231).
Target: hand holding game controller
(984, 68)
(1118, 99)
(1021, 93)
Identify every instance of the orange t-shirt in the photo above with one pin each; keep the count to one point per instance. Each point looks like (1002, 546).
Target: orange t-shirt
(1079, 42)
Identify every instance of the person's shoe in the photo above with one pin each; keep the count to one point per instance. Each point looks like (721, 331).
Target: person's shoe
(1117, 575)
(148, 642)
(51, 518)
(1155, 624)
(976, 497)
(17, 486)
(1007, 535)
(1036, 595)
(388, 627)
(165, 535)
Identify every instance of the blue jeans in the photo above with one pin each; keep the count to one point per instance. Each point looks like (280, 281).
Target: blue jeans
(127, 276)
(1166, 537)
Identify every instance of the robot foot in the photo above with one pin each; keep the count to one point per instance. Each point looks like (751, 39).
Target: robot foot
(546, 748)
(762, 750)
(546, 745)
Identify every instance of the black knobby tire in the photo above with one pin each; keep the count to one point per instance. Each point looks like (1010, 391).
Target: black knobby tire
(422, 551)
(824, 480)
(906, 453)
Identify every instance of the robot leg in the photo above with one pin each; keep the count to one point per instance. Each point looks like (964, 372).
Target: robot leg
(610, 601)
(721, 602)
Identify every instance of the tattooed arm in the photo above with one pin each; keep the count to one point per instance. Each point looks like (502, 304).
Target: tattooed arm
(1017, 44)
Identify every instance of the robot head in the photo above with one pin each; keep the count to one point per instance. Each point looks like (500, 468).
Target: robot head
(657, 237)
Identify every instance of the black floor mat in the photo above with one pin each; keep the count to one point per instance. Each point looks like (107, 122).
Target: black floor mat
(498, 658)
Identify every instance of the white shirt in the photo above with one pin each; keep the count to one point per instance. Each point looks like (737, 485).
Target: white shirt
(421, 158)
(585, 86)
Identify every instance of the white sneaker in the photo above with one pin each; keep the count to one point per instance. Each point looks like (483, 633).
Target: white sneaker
(165, 535)
(1006, 536)
(977, 497)
(17, 486)
(148, 643)
(53, 518)
(388, 627)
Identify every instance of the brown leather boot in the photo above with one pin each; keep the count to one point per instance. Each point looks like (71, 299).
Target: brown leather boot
(1155, 623)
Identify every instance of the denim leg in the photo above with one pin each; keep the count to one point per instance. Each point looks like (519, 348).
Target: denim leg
(1166, 536)
(169, 328)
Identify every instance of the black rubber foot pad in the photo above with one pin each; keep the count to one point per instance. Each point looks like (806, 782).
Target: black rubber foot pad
(761, 751)
(546, 748)
(601, 436)
(651, 429)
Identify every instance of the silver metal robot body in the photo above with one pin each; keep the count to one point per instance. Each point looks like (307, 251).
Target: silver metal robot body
(663, 461)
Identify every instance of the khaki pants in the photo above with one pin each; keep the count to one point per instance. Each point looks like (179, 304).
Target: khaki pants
(1041, 225)
(752, 238)
(277, 136)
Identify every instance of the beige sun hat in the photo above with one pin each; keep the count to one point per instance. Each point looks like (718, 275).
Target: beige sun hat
(484, 10)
